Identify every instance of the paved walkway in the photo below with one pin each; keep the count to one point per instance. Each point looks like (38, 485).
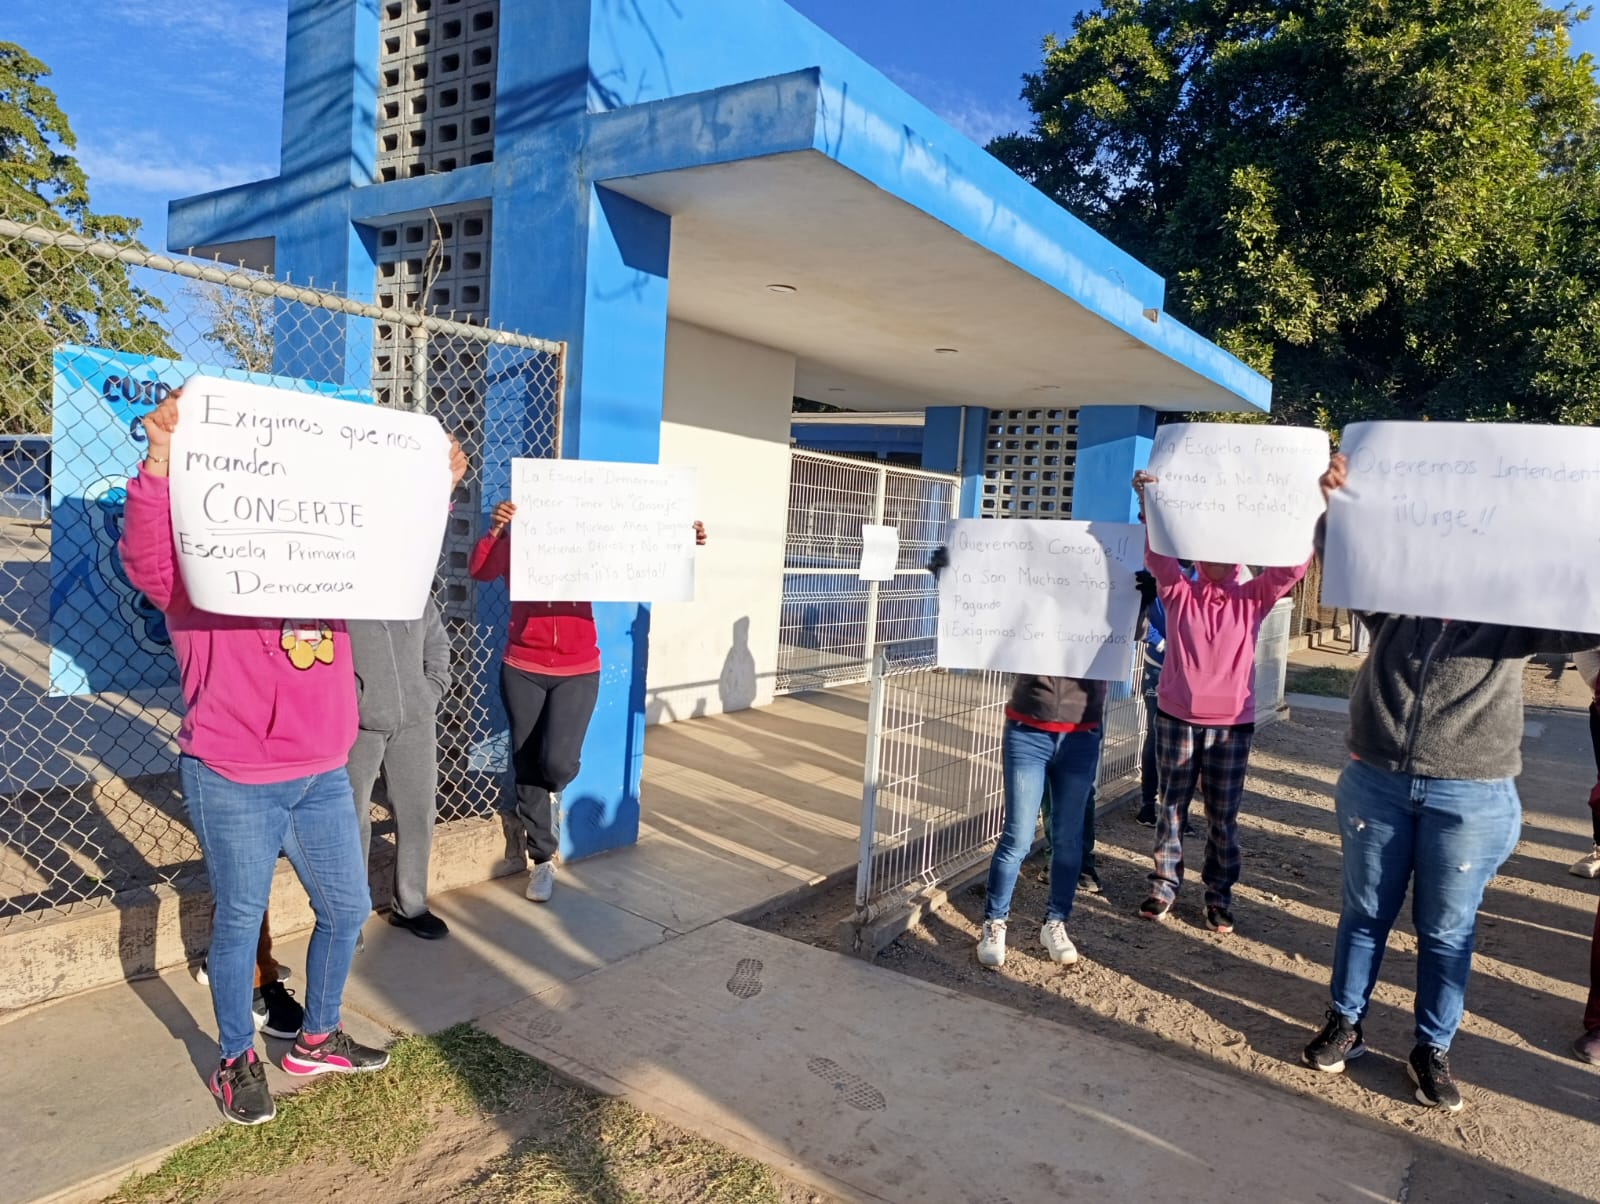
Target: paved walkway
(875, 1086)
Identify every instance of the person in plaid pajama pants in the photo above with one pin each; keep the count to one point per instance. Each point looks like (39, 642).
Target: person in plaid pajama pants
(1205, 714)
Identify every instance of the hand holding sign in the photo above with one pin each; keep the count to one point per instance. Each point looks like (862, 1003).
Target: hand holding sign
(285, 503)
(1234, 494)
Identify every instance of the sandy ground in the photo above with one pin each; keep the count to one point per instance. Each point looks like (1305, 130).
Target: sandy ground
(1531, 1129)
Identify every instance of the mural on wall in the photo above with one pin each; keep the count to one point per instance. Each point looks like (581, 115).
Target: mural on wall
(104, 634)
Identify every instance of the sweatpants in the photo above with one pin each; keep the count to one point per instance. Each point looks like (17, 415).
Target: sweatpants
(549, 717)
(409, 761)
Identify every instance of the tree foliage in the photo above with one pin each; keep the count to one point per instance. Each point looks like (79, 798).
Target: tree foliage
(1390, 207)
(49, 295)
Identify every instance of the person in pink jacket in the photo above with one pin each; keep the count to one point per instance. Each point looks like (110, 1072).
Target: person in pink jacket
(1206, 714)
(269, 720)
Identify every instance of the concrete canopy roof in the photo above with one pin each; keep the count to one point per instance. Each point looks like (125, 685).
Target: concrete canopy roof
(880, 285)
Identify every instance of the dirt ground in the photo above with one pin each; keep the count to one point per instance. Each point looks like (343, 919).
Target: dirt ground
(1250, 1001)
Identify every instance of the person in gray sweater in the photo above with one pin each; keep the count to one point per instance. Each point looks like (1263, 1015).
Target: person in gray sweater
(1427, 800)
(402, 674)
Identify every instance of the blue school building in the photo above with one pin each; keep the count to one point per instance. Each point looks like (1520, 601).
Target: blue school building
(718, 208)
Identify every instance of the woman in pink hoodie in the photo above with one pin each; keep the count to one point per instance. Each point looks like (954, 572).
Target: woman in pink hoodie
(1206, 713)
(269, 719)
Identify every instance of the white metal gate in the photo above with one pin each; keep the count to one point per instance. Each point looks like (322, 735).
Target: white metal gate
(833, 624)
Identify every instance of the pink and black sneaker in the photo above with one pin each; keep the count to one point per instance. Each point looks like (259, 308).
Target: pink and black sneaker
(333, 1053)
(240, 1086)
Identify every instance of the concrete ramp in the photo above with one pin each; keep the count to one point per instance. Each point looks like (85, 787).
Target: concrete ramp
(875, 1086)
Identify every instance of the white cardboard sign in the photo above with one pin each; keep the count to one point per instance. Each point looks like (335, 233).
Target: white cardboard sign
(1487, 522)
(595, 531)
(1041, 596)
(1234, 493)
(880, 552)
(288, 504)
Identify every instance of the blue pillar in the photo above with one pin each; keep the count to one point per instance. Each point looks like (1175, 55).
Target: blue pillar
(608, 299)
(1113, 443)
(952, 441)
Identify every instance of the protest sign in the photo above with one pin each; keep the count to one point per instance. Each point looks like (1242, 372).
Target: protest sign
(104, 634)
(1234, 493)
(592, 531)
(1041, 596)
(285, 504)
(880, 552)
(1491, 522)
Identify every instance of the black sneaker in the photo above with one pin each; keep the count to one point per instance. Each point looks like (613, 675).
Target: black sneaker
(1429, 1068)
(240, 1087)
(334, 1054)
(1219, 919)
(427, 925)
(1338, 1042)
(1189, 832)
(1089, 883)
(1147, 814)
(1154, 909)
(277, 1013)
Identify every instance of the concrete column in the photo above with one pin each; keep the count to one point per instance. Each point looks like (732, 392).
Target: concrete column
(606, 294)
(1113, 443)
(952, 441)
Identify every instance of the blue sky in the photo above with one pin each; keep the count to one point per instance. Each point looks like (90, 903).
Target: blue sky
(173, 97)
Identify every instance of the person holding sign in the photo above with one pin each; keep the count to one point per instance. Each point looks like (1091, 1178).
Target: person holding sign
(1051, 743)
(1428, 800)
(549, 683)
(1205, 714)
(269, 718)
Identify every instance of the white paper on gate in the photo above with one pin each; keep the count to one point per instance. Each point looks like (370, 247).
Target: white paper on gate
(595, 531)
(1234, 493)
(1485, 522)
(1041, 596)
(290, 505)
(880, 552)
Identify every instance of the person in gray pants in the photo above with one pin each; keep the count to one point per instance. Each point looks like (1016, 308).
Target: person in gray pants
(402, 673)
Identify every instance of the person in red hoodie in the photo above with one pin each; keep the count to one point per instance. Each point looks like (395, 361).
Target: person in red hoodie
(549, 682)
(269, 720)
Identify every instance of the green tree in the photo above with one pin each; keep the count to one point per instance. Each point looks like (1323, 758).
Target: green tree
(49, 295)
(1389, 207)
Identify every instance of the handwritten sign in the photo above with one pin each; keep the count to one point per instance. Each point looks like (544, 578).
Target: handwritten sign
(592, 531)
(285, 504)
(1490, 522)
(1235, 494)
(1041, 596)
(880, 552)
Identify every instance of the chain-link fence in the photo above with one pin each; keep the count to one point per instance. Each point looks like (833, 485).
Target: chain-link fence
(93, 335)
(833, 623)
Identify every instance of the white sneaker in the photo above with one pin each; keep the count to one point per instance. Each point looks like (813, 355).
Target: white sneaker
(1053, 936)
(992, 944)
(542, 882)
(1587, 867)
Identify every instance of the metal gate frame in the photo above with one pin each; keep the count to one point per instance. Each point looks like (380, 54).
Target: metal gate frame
(833, 624)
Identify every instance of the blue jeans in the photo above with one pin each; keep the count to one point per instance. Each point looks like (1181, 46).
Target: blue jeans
(241, 828)
(1068, 761)
(1446, 838)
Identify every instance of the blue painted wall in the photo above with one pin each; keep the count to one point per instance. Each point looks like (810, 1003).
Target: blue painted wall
(952, 441)
(1113, 443)
(851, 439)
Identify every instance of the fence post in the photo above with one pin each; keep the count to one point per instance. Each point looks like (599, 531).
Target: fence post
(869, 780)
(419, 369)
(870, 645)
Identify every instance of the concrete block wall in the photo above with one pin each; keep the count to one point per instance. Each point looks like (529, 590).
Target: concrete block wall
(437, 64)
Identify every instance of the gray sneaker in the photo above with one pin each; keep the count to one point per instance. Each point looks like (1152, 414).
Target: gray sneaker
(542, 881)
